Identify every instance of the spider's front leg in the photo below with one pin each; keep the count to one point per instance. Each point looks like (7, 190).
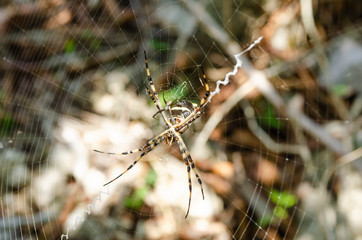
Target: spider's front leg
(207, 93)
(154, 95)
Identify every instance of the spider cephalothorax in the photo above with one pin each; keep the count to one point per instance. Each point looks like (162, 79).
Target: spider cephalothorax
(181, 115)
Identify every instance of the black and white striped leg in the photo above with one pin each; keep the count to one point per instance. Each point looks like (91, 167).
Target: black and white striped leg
(154, 95)
(150, 142)
(190, 164)
(146, 150)
(207, 93)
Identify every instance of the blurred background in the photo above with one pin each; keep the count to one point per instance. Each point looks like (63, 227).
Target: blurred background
(278, 149)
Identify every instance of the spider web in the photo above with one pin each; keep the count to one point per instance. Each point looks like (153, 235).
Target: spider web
(278, 146)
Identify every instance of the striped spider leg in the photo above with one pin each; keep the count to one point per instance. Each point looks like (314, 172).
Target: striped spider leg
(189, 162)
(154, 97)
(149, 146)
(182, 114)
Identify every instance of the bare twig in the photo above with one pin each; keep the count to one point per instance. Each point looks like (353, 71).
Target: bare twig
(263, 136)
(342, 161)
(219, 114)
(260, 82)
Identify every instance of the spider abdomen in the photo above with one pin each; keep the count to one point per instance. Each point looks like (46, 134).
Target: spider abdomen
(181, 110)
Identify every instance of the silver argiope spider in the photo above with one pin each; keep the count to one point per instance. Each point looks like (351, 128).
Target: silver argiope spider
(182, 114)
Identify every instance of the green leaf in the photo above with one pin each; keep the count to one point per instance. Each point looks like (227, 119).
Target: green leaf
(151, 178)
(90, 40)
(1, 94)
(7, 124)
(280, 212)
(136, 200)
(87, 34)
(158, 45)
(69, 45)
(265, 221)
(269, 118)
(341, 89)
(134, 204)
(283, 199)
(177, 92)
(96, 43)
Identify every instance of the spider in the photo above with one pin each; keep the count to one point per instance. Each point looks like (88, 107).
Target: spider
(181, 115)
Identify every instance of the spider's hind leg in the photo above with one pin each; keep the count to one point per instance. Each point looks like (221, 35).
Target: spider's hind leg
(190, 164)
(123, 153)
(149, 143)
(147, 149)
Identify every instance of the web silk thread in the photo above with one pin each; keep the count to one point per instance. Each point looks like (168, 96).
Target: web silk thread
(88, 211)
(238, 64)
(224, 82)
